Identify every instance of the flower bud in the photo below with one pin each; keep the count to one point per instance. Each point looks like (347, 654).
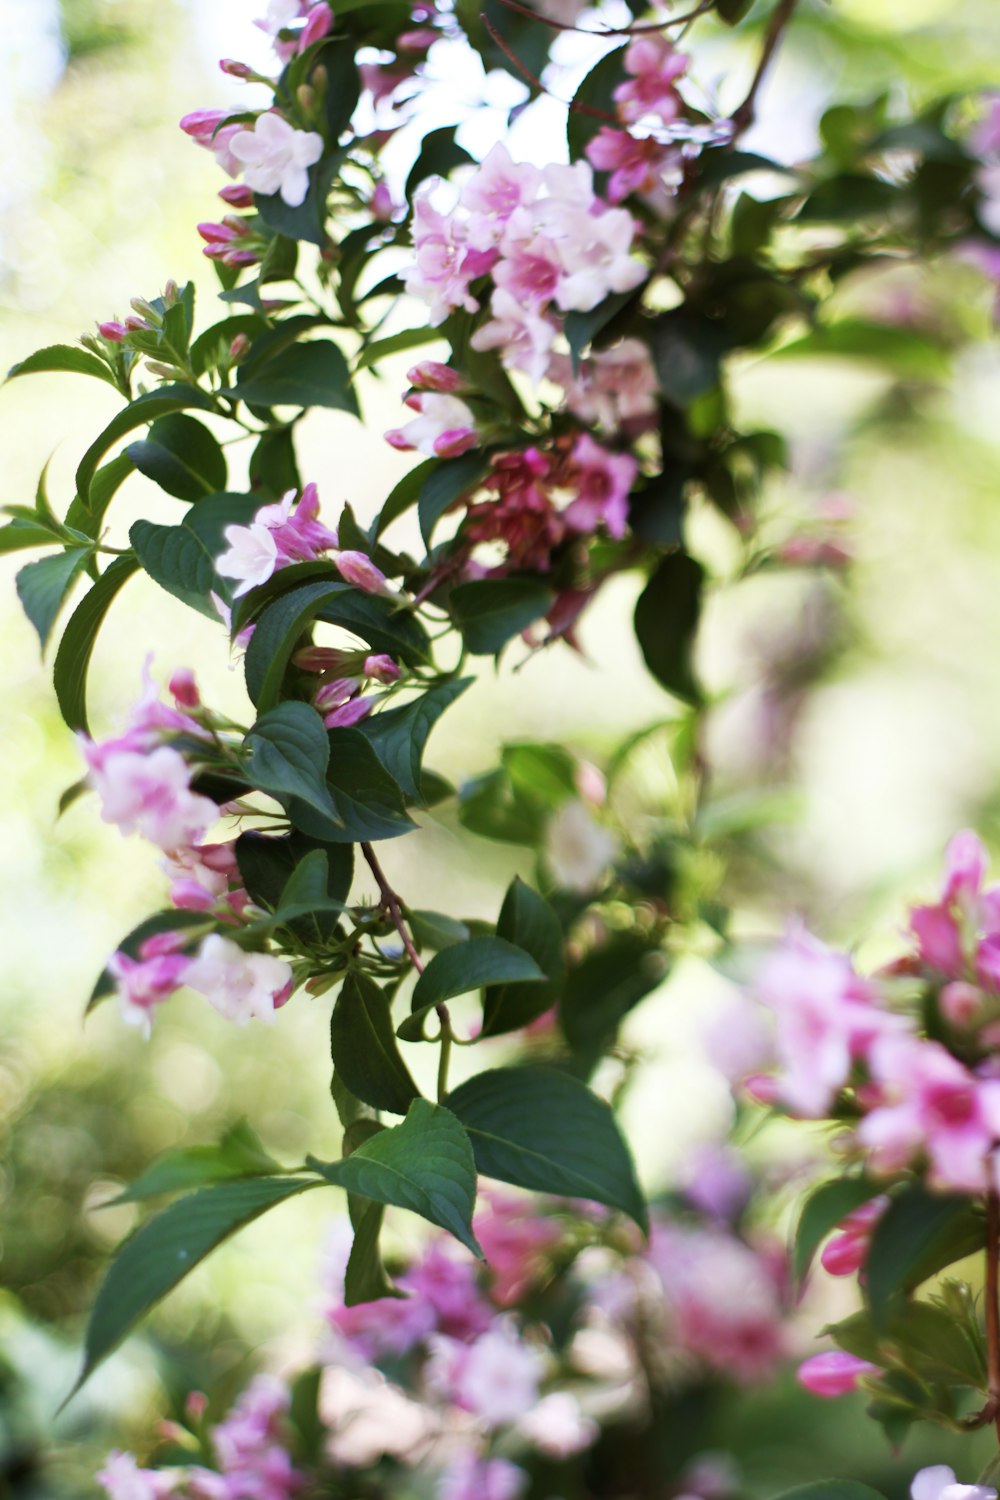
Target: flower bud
(171, 293)
(349, 713)
(222, 234)
(833, 1374)
(112, 331)
(844, 1254)
(195, 1406)
(381, 203)
(336, 693)
(146, 310)
(762, 1088)
(235, 69)
(961, 1002)
(359, 571)
(237, 194)
(455, 442)
(382, 668)
(239, 347)
(318, 23)
(431, 375)
(184, 689)
(306, 95)
(326, 659)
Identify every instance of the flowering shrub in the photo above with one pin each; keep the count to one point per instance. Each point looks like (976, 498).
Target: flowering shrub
(574, 417)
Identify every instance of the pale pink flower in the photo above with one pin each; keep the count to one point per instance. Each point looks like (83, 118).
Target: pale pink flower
(346, 715)
(361, 573)
(655, 66)
(205, 126)
(827, 1017)
(472, 1478)
(530, 269)
(442, 420)
(496, 1377)
(514, 1240)
(201, 876)
(277, 536)
(319, 22)
(523, 337)
(241, 986)
(558, 1427)
(577, 849)
(985, 138)
(446, 1280)
(834, 1373)
(149, 794)
(636, 166)
(444, 263)
(143, 984)
(498, 187)
(251, 558)
(717, 1181)
(122, 1478)
(276, 157)
(595, 250)
(614, 388)
(938, 1483)
(931, 1104)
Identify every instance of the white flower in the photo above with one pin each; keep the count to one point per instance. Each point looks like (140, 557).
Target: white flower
(252, 556)
(577, 849)
(239, 985)
(939, 1483)
(275, 157)
(556, 1425)
(438, 414)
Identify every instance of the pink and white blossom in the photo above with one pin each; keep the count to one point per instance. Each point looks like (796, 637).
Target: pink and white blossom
(939, 1483)
(276, 157)
(496, 1377)
(277, 536)
(123, 1479)
(472, 1478)
(143, 984)
(241, 986)
(149, 794)
(444, 426)
(654, 66)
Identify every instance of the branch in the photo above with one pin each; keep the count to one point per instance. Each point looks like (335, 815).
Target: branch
(636, 29)
(570, 104)
(390, 904)
(780, 18)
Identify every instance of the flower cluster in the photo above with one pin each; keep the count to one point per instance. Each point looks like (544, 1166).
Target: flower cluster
(485, 1370)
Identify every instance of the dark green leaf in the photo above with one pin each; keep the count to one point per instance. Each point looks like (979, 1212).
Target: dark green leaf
(733, 11)
(582, 328)
(367, 801)
(445, 484)
(181, 456)
(307, 375)
(468, 966)
(63, 357)
(167, 1247)
(287, 752)
(832, 1489)
(849, 197)
(720, 163)
(267, 863)
(397, 343)
(399, 735)
(239, 1154)
(103, 488)
(529, 922)
(666, 619)
(656, 512)
(43, 586)
(364, 1049)
(596, 92)
(439, 155)
(919, 1234)
(21, 533)
(489, 611)
(603, 987)
(69, 673)
(424, 1165)
(541, 1129)
(147, 408)
(432, 929)
(305, 220)
(688, 350)
(273, 466)
(365, 1278)
(822, 1211)
(404, 494)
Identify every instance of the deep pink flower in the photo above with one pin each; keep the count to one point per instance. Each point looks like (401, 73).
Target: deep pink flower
(143, 984)
(834, 1373)
(636, 166)
(655, 66)
(514, 1240)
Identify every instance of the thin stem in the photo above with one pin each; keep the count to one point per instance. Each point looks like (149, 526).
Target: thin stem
(444, 1057)
(571, 104)
(993, 1302)
(633, 30)
(780, 18)
(390, 902)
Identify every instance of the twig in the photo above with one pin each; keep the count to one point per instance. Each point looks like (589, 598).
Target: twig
(390, 902)
(993, 1301)
(780, 18)
(571, 104)
(636, 29)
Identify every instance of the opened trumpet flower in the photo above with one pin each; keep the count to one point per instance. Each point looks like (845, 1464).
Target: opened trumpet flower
(276, 157)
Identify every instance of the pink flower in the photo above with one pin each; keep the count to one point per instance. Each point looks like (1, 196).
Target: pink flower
(523, 337)
(596, 255)
(276, 157)
(931, 1103)
(444, 421)
(523, 516)
(557, 1426)
(472, 1478)
(655, 67)
(205, 126)
(495, 191)
(122, 1478)
(718, 1182)
(602, 482)
(827, 1017)
(382, 668)
(514, 1240)
(636, 166)
(149, 794)
(251, 558)
(444, 264)
(112, 331)
(496, 1377)
(241, 986)
(142, 984)
(361, 573)
(448, 1283)
(431, 375)
(530, 270)
(345, 715)
(318, 23)
(847, 1251)
(276, 537)
(833, 1374)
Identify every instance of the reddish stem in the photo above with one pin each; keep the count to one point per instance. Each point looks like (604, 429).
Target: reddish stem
(390, 903)
(634, 30)
(780, 18)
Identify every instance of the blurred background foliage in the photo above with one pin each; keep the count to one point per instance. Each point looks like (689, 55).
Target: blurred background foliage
(871, 694)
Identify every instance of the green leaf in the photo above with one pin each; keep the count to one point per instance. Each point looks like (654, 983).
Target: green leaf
(529, 922)
(267, 864)
(468, 966)
(581, 328)
(160, 1254)
(364, 1050)
(832, 1489)
(688, 350)
(63, 357)
(147, 408)
(404, 494)
(397, 343)
(720, 163)
(445, 484)
(239, 1154)
(439, 155)
(399, 735)
(541, 1129)
(365, 1278)
(666, 619)
(596, 92)
(432, 929)
(43, 586)
(181, 456)
(603, 987)
(489, 611)
(822, 1211)
(287, 753)
(919, 1234)
(848, 197)
(69, 672)
(425, 1165)
(545, 772)
(181, 559)
(733, 11)
(307, 375)
(367, 801)
(103, 488)
(905, 351)
(305, 220)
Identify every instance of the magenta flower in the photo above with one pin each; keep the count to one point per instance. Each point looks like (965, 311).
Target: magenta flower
(361, 573)
(834, 1373)
(654, 66)
(602, 481)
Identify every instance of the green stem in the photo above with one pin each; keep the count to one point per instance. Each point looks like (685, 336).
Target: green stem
(445, 1054)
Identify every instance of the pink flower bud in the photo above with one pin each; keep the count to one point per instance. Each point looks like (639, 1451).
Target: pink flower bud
(217, 234)
(382, 668)
(195, 1406)
(114, 332)
(431, 375)
(237, 195)
(591, 784)
(417, 40)
(188, 895)
(762, 1088)
(236, 257)
(235, 69)
(359, 571)
(349, 713)
(239, 347)
(335, 694)
(325, 659)
(961, 1002)
(134, 324)
(381, 203)
(184, 689)
(396, 438)
(456, 442)
(833, 1374)
(160, 944)
(318, 23)
(844, 1254)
